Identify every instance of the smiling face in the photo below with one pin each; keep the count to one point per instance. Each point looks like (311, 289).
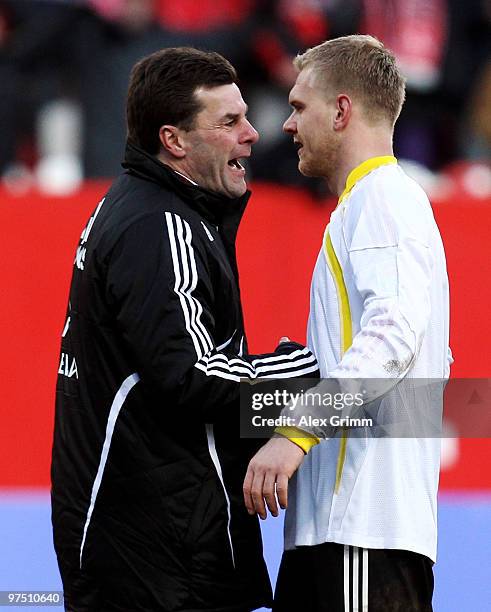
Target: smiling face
(311, 125)
(220, 138)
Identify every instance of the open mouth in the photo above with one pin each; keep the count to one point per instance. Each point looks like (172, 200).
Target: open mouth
(235, 163)
(298, 145)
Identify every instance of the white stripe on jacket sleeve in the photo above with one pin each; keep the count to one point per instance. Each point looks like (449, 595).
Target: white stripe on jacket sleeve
(209, 361)
(178, 287)
(194, 282)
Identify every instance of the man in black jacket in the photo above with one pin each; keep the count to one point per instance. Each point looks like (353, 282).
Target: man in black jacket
(147, 464)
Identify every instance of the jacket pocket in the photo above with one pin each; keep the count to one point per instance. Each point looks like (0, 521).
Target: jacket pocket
(208, 525)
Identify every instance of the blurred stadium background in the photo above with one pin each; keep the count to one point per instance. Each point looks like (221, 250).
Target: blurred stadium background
(63, 71)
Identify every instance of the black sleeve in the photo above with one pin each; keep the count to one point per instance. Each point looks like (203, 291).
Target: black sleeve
(158, 284)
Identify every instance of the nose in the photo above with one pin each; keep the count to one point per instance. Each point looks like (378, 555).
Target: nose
(249, 135)
(290, 126)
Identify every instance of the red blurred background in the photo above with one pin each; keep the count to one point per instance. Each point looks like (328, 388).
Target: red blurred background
(278, 244)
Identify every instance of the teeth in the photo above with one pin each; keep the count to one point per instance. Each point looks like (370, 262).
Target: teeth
(235, 163)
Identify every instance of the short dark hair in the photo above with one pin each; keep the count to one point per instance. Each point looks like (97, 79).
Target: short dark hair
(162, 91)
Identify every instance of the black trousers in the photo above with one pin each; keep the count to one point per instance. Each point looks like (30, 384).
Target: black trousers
(338, 578)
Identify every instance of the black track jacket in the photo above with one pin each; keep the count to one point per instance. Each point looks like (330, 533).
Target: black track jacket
(147, 465)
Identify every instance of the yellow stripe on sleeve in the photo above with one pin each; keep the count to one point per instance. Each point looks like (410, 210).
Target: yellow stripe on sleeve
(301, 438)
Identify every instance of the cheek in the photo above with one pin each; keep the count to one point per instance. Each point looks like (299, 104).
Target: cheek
(221, 141)
(310, 138)
(309, 129)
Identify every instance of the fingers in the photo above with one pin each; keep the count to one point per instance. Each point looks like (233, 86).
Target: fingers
(268, 474)
(284, 339)
(258, 488)
(282, 490)
(247, 486)
(257, 494)
(269, 493)
(253, 492)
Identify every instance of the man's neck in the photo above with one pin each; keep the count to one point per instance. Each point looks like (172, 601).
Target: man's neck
(182, 172)
(358, 151)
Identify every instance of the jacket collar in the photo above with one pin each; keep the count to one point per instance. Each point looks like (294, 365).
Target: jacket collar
(218, 210)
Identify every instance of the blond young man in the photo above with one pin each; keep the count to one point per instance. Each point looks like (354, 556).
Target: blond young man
(360, 530)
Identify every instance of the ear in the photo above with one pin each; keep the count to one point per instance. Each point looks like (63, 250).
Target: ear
(344, 109)
(171, 140)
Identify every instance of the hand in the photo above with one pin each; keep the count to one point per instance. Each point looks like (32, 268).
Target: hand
(284, 339)
(274, 464)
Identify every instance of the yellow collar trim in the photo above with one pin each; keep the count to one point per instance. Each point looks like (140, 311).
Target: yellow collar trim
(363, 169)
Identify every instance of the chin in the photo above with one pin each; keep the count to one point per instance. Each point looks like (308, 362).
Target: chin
(238, 194)
(309, 171)
(236, 191)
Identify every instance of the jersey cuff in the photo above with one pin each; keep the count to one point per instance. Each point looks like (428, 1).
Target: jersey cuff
(301, 438)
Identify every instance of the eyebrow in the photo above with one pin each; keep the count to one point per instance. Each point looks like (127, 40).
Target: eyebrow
(229, 116)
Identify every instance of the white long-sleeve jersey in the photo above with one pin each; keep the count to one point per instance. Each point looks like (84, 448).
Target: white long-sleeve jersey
(382, 314)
